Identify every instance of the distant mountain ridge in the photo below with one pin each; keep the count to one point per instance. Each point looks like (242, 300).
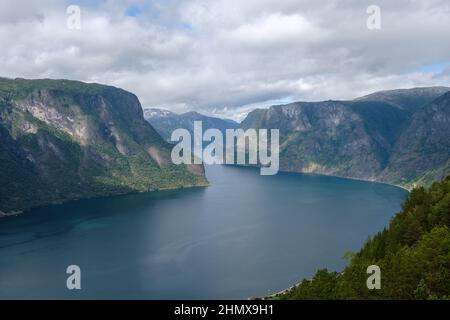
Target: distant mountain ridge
(62, 140)
(407, 99)
(397, 136)
(165, 121)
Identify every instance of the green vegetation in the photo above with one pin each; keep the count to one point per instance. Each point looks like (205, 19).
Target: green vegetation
(62, 140)
(413, 254)
(400, 137)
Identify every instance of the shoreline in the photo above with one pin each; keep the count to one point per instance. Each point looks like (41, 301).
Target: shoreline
(274, 295)
(5, 215)
(331, 175)
(355, 179)
(18, 212)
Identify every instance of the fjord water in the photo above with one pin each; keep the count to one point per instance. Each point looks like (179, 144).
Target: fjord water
(246, 235)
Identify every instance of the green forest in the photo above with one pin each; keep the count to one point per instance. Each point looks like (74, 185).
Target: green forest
(413, 254)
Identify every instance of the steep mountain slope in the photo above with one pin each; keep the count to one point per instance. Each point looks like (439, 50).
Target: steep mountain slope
(422, 153)
(322, 137)
(165, 122)
(363, 138)
(63, 140)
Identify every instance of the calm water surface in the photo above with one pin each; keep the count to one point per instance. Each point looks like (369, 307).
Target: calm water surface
(245, 235)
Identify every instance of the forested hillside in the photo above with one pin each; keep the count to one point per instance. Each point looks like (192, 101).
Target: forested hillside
(62, 140)
(413, 254)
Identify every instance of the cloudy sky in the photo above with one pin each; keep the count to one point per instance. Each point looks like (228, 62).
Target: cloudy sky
(225, 57)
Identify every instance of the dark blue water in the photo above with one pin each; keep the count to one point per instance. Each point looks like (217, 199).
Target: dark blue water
(245, 235)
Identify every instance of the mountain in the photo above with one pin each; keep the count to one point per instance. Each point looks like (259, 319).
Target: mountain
(165, 122)
(62, 140)
(406, 99)
(422, 152)
(389, 136)
(413, 255)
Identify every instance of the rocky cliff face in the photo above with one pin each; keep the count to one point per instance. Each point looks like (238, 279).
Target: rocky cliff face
(422, 153)
(397, 136)
(62, 140)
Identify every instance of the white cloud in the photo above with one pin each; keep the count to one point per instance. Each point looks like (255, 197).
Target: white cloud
(208, 55)
(274, 31)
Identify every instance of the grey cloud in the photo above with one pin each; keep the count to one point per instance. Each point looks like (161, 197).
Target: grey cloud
(227, 54)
